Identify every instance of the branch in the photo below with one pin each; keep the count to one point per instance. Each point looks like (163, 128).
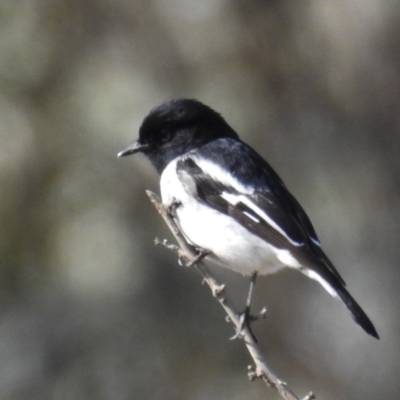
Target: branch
(188, 253)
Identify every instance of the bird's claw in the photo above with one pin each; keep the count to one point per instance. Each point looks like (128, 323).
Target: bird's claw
(201, 253)
(245, 319)
(171, 209)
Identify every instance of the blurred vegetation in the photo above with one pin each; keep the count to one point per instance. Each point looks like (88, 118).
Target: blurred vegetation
(89, 308)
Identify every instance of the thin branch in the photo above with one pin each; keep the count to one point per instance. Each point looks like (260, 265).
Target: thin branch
(188, 253)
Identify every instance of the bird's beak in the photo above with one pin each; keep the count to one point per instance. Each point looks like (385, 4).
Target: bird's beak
(136, 147)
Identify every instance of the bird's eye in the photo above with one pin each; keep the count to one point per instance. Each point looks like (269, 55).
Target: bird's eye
(164, 135)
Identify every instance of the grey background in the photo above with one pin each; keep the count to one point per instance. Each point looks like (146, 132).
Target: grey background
(89, 308)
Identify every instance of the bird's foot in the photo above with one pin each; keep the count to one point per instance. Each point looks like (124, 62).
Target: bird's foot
(201, 253)
(245, 319)
(171, 209)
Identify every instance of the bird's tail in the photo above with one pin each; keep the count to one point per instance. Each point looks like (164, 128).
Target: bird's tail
(336, 288)
(356, 311)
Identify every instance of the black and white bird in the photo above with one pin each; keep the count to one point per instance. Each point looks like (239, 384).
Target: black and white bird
(229, 201)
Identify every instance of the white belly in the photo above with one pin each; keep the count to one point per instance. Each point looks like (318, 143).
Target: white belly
(232, 246)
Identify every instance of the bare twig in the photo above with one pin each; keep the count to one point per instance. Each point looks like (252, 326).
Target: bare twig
(188, 253)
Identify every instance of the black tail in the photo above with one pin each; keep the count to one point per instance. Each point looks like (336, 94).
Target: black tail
(356, 311)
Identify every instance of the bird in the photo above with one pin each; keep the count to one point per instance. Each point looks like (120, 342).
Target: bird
(227, 200)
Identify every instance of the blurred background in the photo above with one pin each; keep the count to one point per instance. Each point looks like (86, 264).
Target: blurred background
(89, 308)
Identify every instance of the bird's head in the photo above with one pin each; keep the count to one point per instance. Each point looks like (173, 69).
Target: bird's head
(176, 127)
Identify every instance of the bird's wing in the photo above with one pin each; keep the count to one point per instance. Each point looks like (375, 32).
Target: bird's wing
(273, 215)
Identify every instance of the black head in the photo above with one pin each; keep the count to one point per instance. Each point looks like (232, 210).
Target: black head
(175, 128)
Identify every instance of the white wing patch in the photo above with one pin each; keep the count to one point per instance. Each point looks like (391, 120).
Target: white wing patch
(316, 241)
(251, 216)
(234, 199)
(219, 175)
